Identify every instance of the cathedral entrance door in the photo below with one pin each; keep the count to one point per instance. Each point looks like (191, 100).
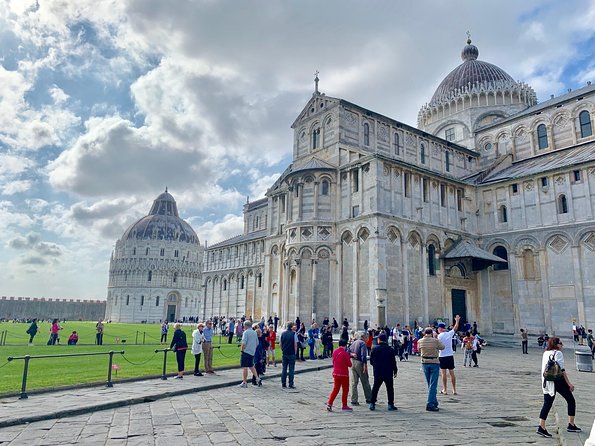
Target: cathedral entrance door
(459, 306)
(171, 313)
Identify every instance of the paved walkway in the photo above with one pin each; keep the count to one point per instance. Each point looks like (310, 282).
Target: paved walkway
(498, 403)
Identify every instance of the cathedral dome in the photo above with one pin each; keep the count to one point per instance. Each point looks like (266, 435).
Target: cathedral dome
(162, 223)
(472, 73)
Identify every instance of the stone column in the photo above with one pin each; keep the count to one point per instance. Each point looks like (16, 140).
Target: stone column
(545, 291)
(314, 279)
(339, 280)
(297, 287)
(578, 284)
(300, 188)
(266, 286)
(355, 309)
(289, 209)
(405, 280)
(424, 284)
(315, 213)
(550, 137)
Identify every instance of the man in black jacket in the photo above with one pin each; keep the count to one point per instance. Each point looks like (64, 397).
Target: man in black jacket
(383, 360)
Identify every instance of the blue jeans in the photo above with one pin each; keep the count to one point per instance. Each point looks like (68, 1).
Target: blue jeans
(432, 373)
(288, 362)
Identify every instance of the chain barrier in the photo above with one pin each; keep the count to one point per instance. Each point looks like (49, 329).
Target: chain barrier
(223, 354)
(5, 364)
(139, 363)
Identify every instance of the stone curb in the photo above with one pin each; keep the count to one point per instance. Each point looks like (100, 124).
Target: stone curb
(141, 399)
(568, 438)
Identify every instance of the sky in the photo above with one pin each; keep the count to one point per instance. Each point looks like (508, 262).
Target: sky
(105, 103)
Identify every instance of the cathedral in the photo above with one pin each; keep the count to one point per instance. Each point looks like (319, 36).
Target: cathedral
(485, 210)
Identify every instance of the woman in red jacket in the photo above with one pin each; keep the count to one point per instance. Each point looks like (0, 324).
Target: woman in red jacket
(341, 364)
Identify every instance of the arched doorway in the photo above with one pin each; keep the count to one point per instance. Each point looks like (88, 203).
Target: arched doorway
(171, 307)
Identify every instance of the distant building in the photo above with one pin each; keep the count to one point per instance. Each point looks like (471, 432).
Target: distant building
(486, 210)
(155, 268)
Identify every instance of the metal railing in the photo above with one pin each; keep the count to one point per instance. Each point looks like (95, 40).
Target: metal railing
(27, 358)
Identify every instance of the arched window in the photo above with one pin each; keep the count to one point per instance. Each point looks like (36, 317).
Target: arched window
(366, 134)
(147, 252)
(448, 161)
(542, 136)
(133, 251)
(242, 283)
(502, 214)
(324, 188)
(562, 204)
(175, 277)
(584, 119)
(157, 301)
(127, 299)
(396, 143)
(224, 284)
(431, 260)
(422, 153)
(315, 138)
(501, 252)
(149, 276)
(259, 279)
(142, 300)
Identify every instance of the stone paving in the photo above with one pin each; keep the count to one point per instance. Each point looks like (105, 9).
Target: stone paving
(498, 404)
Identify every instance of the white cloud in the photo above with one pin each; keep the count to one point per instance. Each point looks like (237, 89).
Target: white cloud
(17, 186)
(215, 232)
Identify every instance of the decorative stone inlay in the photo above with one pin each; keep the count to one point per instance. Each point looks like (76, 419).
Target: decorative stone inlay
(416, 180)
(324, 232)
(562, 120)
(386, 170)
(434, 184)
(351, 120)
(592, 172)
(393, 236)
(560, 180)
(347, 239)
(363, 235)
(413, 242)
(436, 150)
(397, 173)
(292, 234)
(344, 175)
(324, 254)
(328, 122)
(521, 136)
(590, 241)
(558, 244)
(306, 233)
(383, 133)
(410, 140)
(528, 185)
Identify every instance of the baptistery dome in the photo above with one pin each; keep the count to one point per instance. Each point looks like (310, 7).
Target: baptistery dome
(155, 268)
(162, 223)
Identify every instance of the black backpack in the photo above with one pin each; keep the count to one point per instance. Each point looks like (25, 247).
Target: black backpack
(553, 371)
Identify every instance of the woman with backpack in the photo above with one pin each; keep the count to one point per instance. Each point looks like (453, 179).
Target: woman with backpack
(562, 385)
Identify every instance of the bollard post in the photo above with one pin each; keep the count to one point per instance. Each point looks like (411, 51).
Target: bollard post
(24, 385)
(109, 369)
(163, 374)
(144, 335)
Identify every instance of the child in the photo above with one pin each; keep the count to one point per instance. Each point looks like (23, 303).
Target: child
(73, 338)
(341, 364)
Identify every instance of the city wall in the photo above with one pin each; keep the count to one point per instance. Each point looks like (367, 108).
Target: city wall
(42, 308)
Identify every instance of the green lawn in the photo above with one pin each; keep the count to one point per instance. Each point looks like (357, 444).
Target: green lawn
(139, 360)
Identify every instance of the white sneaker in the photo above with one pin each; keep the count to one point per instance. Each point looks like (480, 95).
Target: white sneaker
(243, 385)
